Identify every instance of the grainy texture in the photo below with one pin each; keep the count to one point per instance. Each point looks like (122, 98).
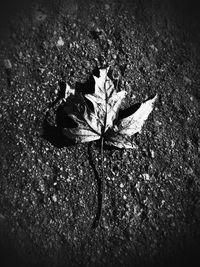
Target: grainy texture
(48, 191)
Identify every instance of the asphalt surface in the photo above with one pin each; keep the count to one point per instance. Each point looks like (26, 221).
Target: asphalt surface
(48, 186)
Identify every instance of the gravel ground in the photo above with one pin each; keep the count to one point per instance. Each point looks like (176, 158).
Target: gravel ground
(48, 188)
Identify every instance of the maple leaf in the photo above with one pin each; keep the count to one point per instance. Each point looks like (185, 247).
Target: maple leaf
(103, 121)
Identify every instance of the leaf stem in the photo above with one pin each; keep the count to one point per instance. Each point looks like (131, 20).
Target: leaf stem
(102, 189)
(102, 178)
(102, 183)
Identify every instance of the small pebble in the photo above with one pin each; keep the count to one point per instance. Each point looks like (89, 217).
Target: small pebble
(154, 48)
(133, 96)
(107, 7)
(152, 153)
(20, 54)
(60, 41)
(121, 185)
(162, 202)
(109, 42)
(2, 217)
(7, 64)
(146, 176)
(41, 70)
(40, 16)
(137, 186)
(130, 177)
(158, 123)
(191, 98)
(54, 198)
(187, 80)
(172, 144)
(42, 187)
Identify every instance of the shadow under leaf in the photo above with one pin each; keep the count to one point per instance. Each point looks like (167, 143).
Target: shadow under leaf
(55, 136)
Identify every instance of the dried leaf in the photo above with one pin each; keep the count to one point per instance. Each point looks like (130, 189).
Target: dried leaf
(133, 123)
(103, 122)
(127, 127)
